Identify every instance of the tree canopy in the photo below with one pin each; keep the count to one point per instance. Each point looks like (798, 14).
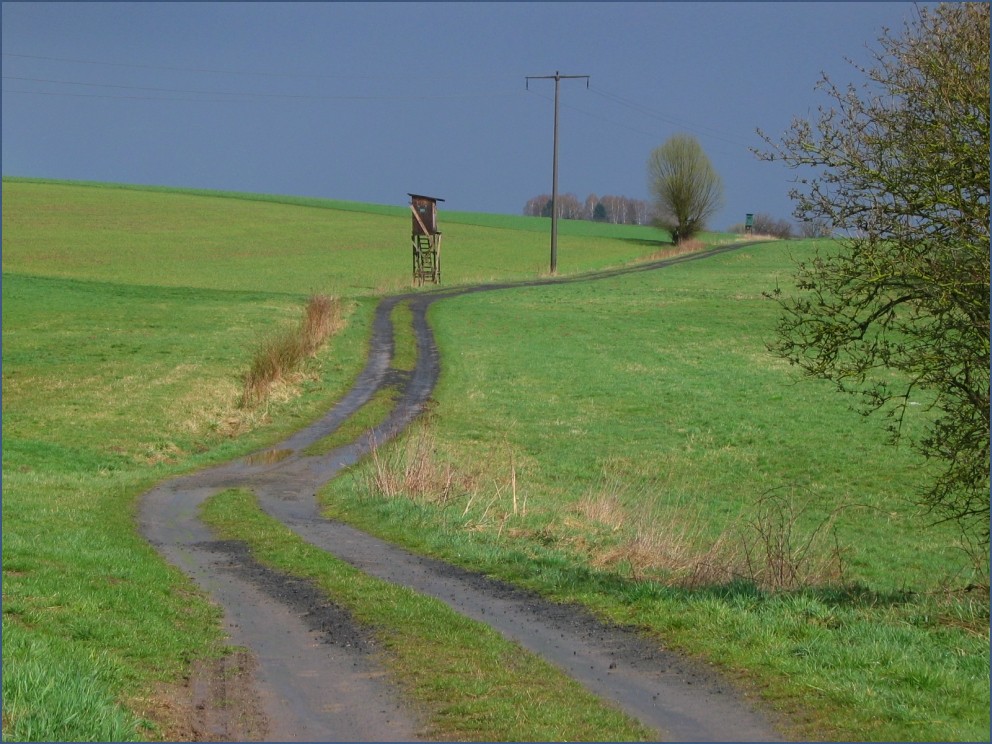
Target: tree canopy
(897, 312)
(687, 190)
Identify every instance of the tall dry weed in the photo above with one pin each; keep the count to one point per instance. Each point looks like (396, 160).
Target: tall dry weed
(776, 543)
(683, 248)
(417, 471)
(783, 548)
(422, 472)
(280, 355)
(321, 319)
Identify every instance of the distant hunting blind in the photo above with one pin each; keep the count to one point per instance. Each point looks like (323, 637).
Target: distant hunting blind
(426, 239)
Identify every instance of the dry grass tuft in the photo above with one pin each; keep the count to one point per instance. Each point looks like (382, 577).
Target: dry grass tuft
(280, 356)
(758, 236)
(683, 248)
(777, 545)
(604, 508)
(418, 472)
(672, 543)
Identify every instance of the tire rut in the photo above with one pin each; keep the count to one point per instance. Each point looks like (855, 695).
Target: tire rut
(301, 665)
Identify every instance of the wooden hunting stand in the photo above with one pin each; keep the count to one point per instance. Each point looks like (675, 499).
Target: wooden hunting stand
(748, 223)
(426, 239)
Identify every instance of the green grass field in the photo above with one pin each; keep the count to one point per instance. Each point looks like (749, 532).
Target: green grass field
(639, 418)
(644, 423)
(129, 317)
(214, 240)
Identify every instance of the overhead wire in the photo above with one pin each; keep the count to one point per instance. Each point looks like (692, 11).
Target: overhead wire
(213, 71)
(170, 68)
(225, 96)
(642, 109)
(590, 114)
(112, 98)
(250, 94)
(698, 129)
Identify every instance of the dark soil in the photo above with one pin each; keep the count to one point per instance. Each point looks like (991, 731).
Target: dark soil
(312, 672)
(333, 623)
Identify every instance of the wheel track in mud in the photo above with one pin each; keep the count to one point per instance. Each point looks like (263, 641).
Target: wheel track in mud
(307, 655)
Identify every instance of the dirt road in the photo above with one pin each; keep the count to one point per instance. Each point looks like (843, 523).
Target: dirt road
(312, 678)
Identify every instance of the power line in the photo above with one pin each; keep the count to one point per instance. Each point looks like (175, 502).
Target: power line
(66, 94)
(592, 115)
(608, 95)
(640, 108)
(619, 125)
(652, 134)
(249, 94)
(212, 71)
(136, 66)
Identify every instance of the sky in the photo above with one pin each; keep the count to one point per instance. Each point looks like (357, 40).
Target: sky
(370, 101)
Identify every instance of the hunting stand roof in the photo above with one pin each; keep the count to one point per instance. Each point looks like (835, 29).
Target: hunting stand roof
(424, 214)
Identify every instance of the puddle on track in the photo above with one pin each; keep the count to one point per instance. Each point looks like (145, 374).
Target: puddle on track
(269, 457)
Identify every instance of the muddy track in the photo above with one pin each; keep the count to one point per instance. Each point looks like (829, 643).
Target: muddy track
(314, 676)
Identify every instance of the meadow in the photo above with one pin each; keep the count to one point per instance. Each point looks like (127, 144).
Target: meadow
(629, 444)
(130, 317)
(230, 241)
(626, 443)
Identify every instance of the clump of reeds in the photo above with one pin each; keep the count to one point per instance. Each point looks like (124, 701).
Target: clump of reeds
(417, 472)
(776, 544)
(281, 355)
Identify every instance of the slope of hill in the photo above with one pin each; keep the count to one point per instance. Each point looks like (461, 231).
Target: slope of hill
(625, 410)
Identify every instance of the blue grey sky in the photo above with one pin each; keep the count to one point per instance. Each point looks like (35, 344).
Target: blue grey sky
(369, 101)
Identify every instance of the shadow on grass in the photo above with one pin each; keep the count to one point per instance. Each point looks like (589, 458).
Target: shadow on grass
(658, 244)
(572, 579)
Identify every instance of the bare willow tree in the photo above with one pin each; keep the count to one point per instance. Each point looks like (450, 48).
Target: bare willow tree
(898, 313)
(687, 190)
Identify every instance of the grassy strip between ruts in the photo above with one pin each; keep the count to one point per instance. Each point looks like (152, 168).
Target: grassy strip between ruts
(474, 683)
(363, 421)
(404, 342)
(375, 411)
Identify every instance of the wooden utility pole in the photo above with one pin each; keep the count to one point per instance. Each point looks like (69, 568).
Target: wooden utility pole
(557, 77)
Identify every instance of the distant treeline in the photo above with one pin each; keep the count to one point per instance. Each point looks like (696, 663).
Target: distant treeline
(618, 210)
(622, 210)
